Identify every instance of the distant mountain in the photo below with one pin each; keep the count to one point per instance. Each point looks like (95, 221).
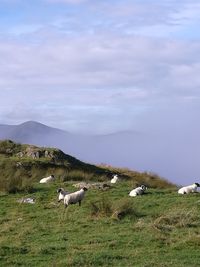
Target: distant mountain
(27, 131)
(109, 149)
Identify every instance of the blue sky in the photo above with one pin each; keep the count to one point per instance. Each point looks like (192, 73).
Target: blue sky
(99, 67)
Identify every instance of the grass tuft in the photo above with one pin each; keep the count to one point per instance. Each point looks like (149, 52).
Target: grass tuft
(124, 208)
(101, 208)
(177, 218)
(118, 210)
(16, 185)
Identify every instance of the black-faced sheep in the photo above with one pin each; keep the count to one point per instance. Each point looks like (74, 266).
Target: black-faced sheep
(115, 179)
(75, 197)
(138, 191)
(47, 179)
(189, 189)
(62, 194)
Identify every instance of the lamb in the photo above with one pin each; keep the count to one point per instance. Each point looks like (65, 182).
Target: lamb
(114, 179)
(47, 179)
(138, 191)
(189, 189)
(62, 194)
(75, 197)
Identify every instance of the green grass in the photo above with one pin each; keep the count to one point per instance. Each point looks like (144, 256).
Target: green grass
(160, 228)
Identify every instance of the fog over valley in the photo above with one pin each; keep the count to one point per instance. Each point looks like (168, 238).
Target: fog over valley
(174, 157)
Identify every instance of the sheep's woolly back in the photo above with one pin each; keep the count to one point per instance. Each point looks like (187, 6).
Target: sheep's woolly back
(114, 179)
(188, 189)
(138, 191)
(47, 179)
(74, 197)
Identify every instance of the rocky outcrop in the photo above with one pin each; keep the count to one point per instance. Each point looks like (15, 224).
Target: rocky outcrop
(101, 186)
(36, 153)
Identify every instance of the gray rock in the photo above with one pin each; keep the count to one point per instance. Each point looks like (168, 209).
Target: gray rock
(100, 186)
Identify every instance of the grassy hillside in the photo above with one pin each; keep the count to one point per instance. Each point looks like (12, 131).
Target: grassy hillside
(160, 228)
(22, 165)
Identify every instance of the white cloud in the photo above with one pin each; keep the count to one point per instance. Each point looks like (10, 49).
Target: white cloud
(103, 62)
(89, 60)
(107, 82)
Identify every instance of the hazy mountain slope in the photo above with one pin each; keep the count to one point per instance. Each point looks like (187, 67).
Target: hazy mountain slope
(29, 131)
(110, 149)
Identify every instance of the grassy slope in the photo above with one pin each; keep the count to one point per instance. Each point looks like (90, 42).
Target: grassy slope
(162, 230)
(22, 170)
(59, 163)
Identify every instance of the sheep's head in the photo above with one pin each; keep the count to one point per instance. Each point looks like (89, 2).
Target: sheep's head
(143, 187)
(59, 190)
(85, 188)
(197, 184)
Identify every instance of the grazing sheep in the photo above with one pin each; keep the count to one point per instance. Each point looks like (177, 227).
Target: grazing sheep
(114, 179)
(75, 197)
(62, 194)
(47, 179)
(189, 189)
(138, 191)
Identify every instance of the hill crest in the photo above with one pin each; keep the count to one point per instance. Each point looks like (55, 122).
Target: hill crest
(33, 162)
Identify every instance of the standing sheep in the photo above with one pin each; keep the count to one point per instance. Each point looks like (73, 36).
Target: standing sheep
(189, 189)
(75, 197)
(62, 194)
(47, 179)
(138, 191)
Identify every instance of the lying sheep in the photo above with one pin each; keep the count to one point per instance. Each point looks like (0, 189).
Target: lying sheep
(62, 194)
(47, 179)
(189, 189)
(138, 191)
(75, 197)
(114, 179)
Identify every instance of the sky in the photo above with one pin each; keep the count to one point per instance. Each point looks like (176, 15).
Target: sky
(98, 67)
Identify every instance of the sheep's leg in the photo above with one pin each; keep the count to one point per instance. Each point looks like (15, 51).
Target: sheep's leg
(65, 211)
(79, 203)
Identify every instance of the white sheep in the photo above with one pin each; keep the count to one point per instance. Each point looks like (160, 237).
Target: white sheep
(75, 197)
(189, 189)
(138, 191)
(114, 179)
(47, 179)
(62, 194)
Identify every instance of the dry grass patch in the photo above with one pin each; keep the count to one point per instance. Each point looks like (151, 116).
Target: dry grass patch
(117, 210)
(178, 218)
(16, 185)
